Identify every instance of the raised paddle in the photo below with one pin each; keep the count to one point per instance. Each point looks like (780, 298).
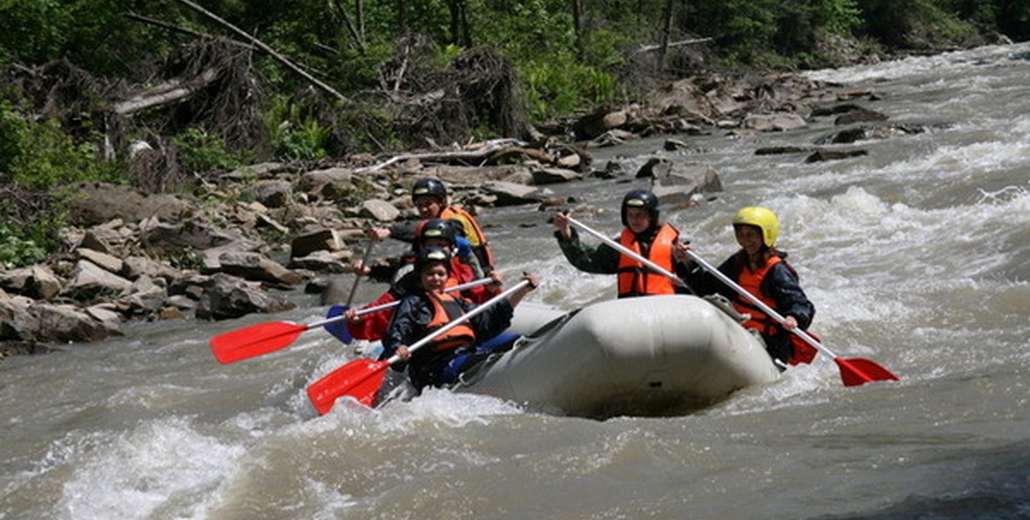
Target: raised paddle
(853, 371)
(263, 338)
(362, 378)
(343, 334)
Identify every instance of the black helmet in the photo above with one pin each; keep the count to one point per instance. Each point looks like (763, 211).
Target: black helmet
(436, 228)
(640, 199)
(429, 186)
(431, 255)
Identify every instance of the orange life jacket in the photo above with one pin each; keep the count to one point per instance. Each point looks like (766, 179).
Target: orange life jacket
(473, 232)
(635, 279)
(751, 281)
(445, 310)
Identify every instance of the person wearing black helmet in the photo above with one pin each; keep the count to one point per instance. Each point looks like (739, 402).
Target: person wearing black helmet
(430, 198)
(644, 234)
(432, 233)
(440, 362)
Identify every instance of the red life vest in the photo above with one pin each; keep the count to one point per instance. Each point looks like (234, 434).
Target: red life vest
(635, 279)
(445, 310)
(473, 232)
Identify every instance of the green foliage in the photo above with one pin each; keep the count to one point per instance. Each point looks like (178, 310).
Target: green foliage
(560, 85)
(17, 250)
(93, 34)
(200, 151)
(912, 24)
(38, 155)
(296, 133)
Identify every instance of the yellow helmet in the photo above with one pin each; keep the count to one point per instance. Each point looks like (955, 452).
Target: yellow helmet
(764, 218)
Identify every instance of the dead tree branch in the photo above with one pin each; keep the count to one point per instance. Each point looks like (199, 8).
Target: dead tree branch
(271, 52)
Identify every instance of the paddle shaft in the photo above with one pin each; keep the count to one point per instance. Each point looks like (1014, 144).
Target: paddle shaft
(628, 252)
(759, 303)
(454, 323)
(385, 306)
(357, 276)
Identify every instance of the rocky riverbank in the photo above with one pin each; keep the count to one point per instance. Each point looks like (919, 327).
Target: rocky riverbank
(241, 237)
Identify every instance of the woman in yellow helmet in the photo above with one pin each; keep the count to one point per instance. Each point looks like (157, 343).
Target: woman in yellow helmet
(763, 271)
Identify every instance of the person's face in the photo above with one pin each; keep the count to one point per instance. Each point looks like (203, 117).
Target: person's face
(428, 206)
(434, 277)
(749, 238)
(638, 219)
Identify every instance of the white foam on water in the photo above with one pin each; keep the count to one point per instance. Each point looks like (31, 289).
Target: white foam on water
(165, 464)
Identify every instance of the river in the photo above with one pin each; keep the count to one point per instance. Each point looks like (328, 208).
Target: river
(915, 255)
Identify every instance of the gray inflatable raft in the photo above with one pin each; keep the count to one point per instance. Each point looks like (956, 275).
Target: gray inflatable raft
(650, 356)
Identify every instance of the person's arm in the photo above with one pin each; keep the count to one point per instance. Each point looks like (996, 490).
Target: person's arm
(599, 259)
(704, 283)
(497, 318)
(372, 326)
(791, 300)
(407, 323)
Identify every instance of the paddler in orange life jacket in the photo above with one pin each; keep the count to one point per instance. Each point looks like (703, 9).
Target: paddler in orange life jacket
(440, 362)
(431, 200)
(644, 234)
(435, 233)
(763, 271)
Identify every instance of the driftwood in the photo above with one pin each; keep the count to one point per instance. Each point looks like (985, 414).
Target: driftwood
(271, 52)
(657, 46)
(481, 152)
(167, 92)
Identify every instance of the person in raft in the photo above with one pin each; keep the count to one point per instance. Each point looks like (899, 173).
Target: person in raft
(431, 200)
(763, 271)
(643, 234)
(441, 361)
(434, 233)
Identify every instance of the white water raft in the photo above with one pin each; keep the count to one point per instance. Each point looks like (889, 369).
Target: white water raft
(650, 356)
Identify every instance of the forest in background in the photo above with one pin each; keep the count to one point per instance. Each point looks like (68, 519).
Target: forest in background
(217, 84)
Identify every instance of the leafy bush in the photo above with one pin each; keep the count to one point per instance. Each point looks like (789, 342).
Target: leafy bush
(201, 151)
(16, 250)
(296, 134)
(38, 155)
(561, 85)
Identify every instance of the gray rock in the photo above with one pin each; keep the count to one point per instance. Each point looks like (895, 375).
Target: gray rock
(227, 297)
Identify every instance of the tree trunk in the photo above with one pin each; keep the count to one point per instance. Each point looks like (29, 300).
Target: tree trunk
(577, 25)
(666, 31)
(359, 38)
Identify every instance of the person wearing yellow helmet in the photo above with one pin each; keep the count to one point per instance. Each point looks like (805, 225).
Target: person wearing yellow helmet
(761, 269)
(643, 234)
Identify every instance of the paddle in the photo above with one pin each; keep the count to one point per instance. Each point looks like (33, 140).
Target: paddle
(853, 371)
(362, 378)
(343, 334)
(335, 327)
(263, 338)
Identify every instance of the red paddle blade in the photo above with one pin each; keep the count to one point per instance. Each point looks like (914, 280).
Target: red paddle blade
(858, 371)
(360, 379)
(254, 341)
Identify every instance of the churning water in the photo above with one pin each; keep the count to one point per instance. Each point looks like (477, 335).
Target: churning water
(915, 256)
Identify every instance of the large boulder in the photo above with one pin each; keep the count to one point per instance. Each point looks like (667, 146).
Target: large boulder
(227, 297)
(95, 203)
